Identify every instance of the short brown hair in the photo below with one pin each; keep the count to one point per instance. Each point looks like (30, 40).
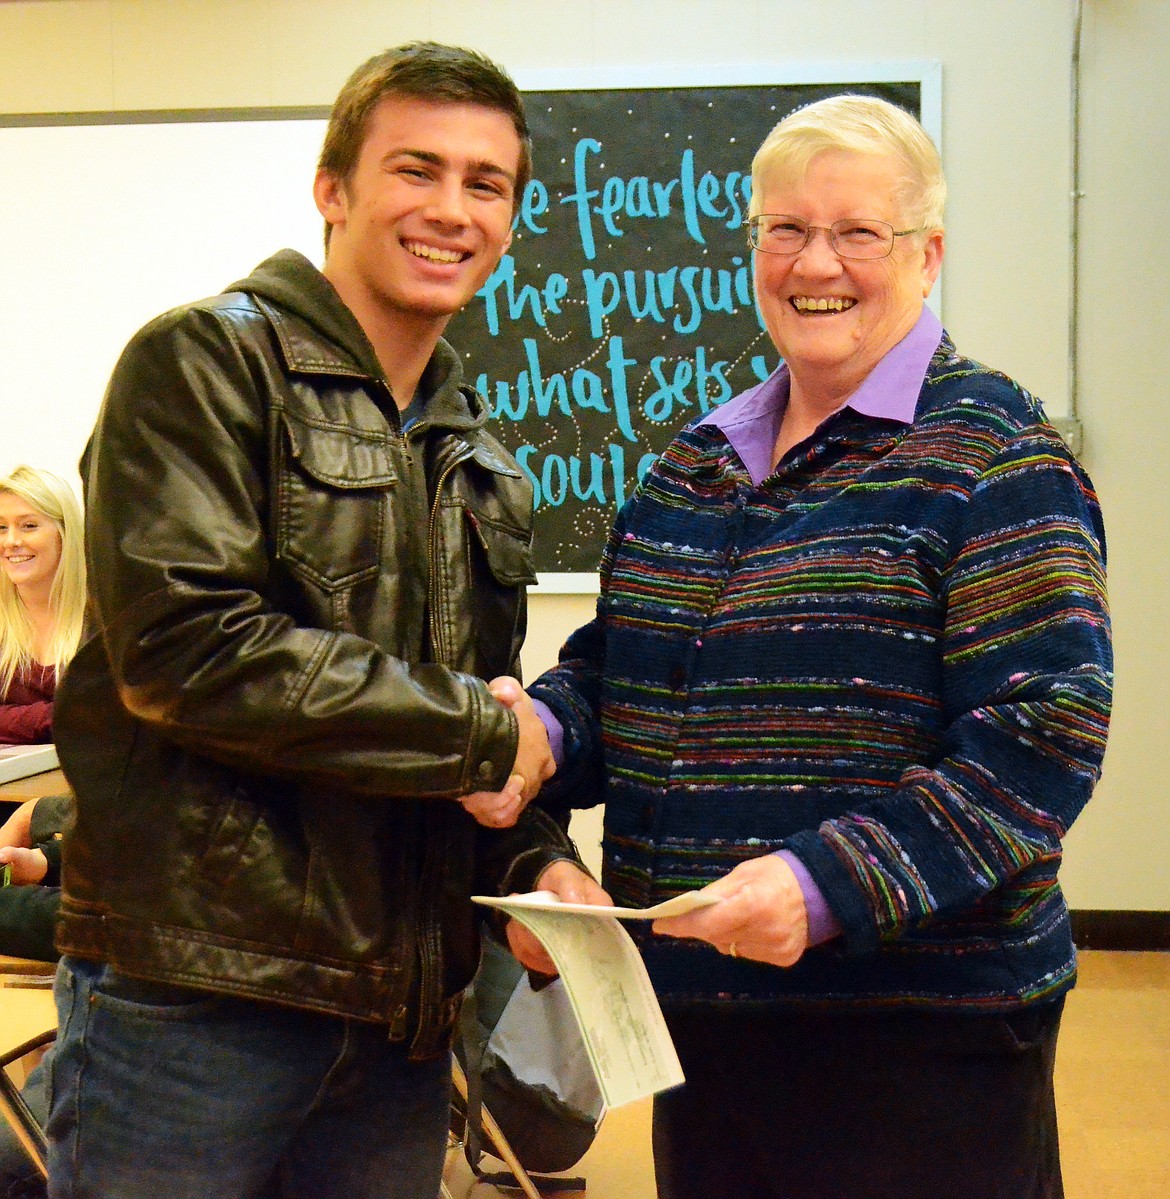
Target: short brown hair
(425, 71)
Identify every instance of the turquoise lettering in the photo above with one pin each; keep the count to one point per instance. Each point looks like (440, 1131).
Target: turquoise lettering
(588, 390)
(505, 276)
(638, 197)
(534, 204)
(522, 455)
(691, 323)
(555, 489)
(602, 296)
(649, 304)
(613, 199)
(583, 195)
(709, 189)
(661, 404)
(617, 365)
(690, 215)
(544, 394)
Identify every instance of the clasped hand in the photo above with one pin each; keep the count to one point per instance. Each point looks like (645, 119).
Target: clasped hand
(533, 765)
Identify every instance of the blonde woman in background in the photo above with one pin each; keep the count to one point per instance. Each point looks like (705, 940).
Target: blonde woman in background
(42, 598)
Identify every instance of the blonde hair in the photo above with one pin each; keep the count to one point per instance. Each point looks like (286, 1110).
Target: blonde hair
(50, 494)
(858, 125)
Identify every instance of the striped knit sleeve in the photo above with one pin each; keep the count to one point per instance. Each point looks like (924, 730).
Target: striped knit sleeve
(1027, 673)
(572, 691)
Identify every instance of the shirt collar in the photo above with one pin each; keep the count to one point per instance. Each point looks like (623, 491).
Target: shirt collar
(751, 420)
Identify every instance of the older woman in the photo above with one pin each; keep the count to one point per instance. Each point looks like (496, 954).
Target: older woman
(850, 671)
(42, 598)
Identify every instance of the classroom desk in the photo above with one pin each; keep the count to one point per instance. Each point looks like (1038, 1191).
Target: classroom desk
(27, 1013)
(24, 968)
(33, 786)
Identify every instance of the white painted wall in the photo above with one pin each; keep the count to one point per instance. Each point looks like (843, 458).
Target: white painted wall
(1006, 136)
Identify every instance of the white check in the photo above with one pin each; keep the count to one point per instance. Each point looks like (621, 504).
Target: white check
(606, 981)
(678, 906)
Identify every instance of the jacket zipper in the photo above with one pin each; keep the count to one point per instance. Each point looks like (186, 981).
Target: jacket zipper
(429, 943)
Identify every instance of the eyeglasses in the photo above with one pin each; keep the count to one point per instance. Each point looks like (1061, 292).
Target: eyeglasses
(850, 238)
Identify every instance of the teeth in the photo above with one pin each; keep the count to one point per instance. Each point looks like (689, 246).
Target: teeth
(822, 304)
(433, 253)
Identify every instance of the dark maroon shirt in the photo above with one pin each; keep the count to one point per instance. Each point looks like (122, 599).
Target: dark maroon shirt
(26, 710)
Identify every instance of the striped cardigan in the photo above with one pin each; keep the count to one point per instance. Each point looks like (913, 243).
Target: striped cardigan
(892, 658)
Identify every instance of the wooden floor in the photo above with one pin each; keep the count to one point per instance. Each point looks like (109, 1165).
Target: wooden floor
(1113, 1089)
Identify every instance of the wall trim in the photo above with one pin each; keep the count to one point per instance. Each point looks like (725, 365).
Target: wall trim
(1117, 929)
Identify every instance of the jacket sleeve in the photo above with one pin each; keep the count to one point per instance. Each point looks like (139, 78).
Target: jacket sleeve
(1026, 664)
(28, 918)
(511, 860)
(179, 568)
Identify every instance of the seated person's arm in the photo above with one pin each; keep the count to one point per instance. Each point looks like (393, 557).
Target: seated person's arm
(16, 829)
(34, 863)
(26, 724)
(28, 865)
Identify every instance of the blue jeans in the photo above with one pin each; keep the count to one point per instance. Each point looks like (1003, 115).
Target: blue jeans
(165, 1091)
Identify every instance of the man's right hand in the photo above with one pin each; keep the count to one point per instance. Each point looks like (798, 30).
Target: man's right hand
(570, 884)
(534, 762)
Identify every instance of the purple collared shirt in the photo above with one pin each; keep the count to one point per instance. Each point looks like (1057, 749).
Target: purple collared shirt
(751, 423)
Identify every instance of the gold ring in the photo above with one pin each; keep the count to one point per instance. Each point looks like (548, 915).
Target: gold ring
(731, 950)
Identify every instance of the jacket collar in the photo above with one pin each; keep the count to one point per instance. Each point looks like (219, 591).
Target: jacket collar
(318, 334)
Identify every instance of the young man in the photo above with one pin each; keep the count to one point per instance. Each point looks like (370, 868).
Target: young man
(307, 555)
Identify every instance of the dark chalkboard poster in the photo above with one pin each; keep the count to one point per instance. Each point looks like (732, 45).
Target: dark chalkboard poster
(624, 307)
(623, 310)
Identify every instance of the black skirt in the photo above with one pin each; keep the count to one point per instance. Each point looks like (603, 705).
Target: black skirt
(872, 1105)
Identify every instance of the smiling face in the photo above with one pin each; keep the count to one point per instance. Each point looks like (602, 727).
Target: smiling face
(833, 319)
(30, 545)
(426, 214)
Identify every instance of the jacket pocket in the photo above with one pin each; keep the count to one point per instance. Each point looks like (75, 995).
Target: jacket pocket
(507, 552)
(332, 501)
(499, 567)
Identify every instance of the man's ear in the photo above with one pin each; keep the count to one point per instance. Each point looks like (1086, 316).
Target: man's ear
(330, 198)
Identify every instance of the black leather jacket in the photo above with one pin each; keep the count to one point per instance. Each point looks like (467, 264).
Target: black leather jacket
(293, 611)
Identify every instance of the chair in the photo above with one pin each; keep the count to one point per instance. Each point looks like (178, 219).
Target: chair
(29, 1023)
(502, 1149)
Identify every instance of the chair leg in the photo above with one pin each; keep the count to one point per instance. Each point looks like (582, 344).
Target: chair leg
(13, 1108)
(497, 1136)
(23, 1123)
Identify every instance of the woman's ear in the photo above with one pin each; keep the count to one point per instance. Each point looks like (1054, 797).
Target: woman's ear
(932, 260)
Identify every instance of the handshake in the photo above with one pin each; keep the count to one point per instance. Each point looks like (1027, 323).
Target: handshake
(533, 765)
